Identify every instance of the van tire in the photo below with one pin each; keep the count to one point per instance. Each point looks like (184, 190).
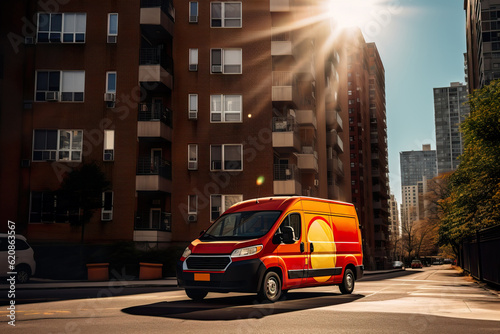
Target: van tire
(196, 294)
(347, 285)
(271, 287)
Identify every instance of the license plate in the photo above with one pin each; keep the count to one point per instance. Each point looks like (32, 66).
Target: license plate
(202, 277)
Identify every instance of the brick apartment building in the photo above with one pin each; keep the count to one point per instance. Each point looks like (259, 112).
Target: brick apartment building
(187, 107)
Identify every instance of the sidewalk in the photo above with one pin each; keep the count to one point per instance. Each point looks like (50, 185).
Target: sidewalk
(40, 283)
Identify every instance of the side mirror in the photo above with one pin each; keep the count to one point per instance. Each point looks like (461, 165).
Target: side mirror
(288, 235)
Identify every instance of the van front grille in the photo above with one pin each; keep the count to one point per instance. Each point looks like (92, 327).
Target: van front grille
(195, 262)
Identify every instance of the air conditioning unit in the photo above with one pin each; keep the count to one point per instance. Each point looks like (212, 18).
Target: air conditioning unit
(193, 115)
(112, 39)
(109, 97)
(108, 155)
(193, 67)
(51, 96)
(192, 218)
(192, 165)
(193, 19)
(216, 69)
(106, 216)
(29, 40)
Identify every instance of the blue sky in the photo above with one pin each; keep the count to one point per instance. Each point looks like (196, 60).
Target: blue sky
(421, 43)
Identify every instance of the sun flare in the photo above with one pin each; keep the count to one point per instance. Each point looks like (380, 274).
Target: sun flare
(353, 13)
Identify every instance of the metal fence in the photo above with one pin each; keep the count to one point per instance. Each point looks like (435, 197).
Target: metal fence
(479, 255)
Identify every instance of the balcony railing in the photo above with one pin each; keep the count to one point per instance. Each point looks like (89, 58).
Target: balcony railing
(285, 172)
(284, 124)
(167, 6)
(155, 112)
(148, 166)
(153, 221)
(156, 56)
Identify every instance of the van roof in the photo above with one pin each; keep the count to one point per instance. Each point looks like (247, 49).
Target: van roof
(276, 203)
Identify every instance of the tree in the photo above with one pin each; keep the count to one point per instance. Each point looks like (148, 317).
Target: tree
(474, 188)
(82, 189)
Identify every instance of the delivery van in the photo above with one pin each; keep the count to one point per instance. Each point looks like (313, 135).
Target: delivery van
(271, 245)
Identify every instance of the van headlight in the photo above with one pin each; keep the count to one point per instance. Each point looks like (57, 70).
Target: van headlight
(247, 251)
(186, 253)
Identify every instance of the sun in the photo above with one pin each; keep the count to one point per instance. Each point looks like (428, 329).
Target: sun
(354, 13)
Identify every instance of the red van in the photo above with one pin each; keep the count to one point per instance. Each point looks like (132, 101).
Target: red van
(272, 245)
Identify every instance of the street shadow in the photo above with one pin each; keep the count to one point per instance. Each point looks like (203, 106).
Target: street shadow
(381, 277)
(239, 307)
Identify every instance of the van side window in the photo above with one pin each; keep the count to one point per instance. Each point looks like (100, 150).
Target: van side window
(293, 220)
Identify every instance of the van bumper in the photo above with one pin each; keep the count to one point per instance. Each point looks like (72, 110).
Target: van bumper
(359, 271)
(240, 276)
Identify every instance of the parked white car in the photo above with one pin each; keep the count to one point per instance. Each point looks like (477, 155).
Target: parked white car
(25, 265)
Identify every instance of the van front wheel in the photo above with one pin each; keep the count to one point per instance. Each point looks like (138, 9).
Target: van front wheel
(271, 287)
(347, 285)
(196, 294)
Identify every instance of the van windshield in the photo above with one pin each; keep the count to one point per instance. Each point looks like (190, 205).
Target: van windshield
(241, 225)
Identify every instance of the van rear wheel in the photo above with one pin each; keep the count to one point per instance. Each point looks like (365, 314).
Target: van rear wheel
(196, 294)
(271, 287)
(347, 285)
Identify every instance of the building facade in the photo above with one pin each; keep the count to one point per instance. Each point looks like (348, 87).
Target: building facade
(368, 145)
(416, 168)
(483, 44)
(187, 108)
(450, 110)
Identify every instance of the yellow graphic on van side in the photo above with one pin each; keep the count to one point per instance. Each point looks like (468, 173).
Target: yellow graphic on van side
(320, 235)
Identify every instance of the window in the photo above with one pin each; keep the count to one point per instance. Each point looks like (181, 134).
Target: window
(111, 82)
(193, 59)
(225, 108)
(66, 86)
(220, 203)
(225, 14)
(226, 157)
(109, 145)
(193, 12)
(112, 27)
(193, 106)
(61, 27)
(107, 206)
(293, 220)
(193, 156)
(226, 61)
(61, 145)
(192, 204)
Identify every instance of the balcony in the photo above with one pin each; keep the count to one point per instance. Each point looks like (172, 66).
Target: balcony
(280, 5)
(306, 118)
(307, 161)
(286, 180)
(153, 175)
(281, 42)
(334, 140)
(333, 120)
(155, 68)
(153, 226)
(157, 18)
(283, 87)
(285, 134)
(155, 122)
(335, 165)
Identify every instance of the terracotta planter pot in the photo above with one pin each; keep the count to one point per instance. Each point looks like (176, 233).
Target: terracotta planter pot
(150, 271)
(98, 271)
